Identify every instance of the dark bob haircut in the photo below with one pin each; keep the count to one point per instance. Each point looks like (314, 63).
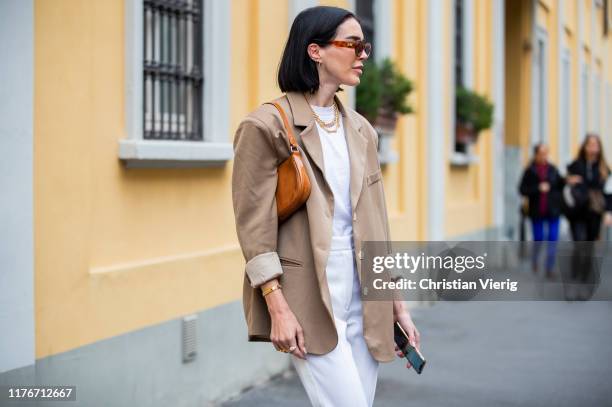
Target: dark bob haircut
(318, 25)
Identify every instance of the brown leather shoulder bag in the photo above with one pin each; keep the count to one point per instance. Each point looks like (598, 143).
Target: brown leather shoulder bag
(293, 185)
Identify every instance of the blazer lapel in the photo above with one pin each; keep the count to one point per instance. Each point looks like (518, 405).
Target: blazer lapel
(312, 145)
(302, 117)
(357, 142)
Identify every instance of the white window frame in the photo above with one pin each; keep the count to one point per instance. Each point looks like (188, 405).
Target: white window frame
(565, 142)
(383, 43)
(296, 6)
(216, 148)
(457, 158)
(584, 101)
(596, 126)
(539, 97)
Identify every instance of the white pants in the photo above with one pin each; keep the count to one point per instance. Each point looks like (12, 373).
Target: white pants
(346, 376)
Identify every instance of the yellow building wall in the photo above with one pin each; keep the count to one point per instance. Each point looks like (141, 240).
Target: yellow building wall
(405, 186)
(118, 249)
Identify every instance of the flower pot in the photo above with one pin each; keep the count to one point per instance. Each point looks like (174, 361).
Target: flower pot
(386, 120)
(465, 134)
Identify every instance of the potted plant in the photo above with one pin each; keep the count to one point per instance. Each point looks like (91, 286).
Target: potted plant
(474, 114)
(381, 98)
(382, 93)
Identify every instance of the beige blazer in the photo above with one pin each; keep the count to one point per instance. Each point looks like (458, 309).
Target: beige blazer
(297, 251)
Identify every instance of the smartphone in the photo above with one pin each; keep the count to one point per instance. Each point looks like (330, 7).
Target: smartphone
(410, 352)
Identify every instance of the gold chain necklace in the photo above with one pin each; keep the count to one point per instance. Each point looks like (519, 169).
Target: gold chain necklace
(327, 126)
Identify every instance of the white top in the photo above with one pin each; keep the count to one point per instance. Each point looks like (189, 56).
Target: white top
(337, 171)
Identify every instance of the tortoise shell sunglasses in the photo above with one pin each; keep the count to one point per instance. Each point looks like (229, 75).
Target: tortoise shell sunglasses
(359, 46)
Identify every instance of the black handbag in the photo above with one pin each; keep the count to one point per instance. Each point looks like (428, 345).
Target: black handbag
(575, 199)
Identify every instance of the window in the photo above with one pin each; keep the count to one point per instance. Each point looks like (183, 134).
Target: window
(172, 70)
(459, 51)
(596, 104)
(177, 83)
(540, 86)
(365, 11)
(566, 84)
(462, 150)
(584, 90)
(607, 17)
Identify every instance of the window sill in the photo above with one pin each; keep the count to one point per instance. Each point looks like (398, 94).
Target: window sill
(388, 157)
(463, 160)
(386, 154)
(174, 154)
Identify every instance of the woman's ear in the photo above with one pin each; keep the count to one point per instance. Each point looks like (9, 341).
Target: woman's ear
(313, 52)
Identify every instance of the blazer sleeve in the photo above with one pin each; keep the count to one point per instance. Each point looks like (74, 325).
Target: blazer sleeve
(254, 180)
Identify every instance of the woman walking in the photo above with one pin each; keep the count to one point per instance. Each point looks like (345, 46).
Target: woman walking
(303, 275)
(587, 175)
(543, 186)
(590, 171)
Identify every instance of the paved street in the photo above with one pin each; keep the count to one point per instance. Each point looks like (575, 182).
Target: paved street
(490, 354)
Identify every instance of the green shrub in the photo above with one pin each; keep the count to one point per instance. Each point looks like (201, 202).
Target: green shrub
(383, 87)
(473, 109)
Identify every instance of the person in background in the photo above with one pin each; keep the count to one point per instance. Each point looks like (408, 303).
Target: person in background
(542, 184)
(587, 175)
(591, 170)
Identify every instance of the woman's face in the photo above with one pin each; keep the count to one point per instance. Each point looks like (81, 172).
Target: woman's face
(542, 155)
(592, 148)
(340, 65)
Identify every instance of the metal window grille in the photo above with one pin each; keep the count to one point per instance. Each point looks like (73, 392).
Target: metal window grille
(459, 51)
(365, 11)
(607, 16)
(172, 88)
(459, 43)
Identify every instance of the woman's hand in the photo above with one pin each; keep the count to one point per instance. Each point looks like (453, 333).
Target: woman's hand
(286, 332)
(574, 179)
(608, 219)
(544, 187)
(401, 315)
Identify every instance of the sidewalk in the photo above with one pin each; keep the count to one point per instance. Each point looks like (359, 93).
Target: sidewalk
(490, 354)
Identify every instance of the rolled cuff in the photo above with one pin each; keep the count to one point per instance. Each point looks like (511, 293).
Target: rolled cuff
(263, 267)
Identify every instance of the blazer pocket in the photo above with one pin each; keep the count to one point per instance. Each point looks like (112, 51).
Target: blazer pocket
(285, 261)
(374, 177)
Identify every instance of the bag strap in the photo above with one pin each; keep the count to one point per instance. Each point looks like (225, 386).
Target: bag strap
(292, 143)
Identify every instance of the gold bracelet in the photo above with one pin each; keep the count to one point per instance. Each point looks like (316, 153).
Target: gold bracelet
(268, 290)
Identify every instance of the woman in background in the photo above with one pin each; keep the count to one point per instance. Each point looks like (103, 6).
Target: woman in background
(543, 186)
(590, 170)
(587, 174)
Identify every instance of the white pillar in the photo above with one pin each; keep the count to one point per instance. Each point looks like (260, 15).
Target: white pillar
(296, 6)
(436, 81)
(499, 112)
(16, 183)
